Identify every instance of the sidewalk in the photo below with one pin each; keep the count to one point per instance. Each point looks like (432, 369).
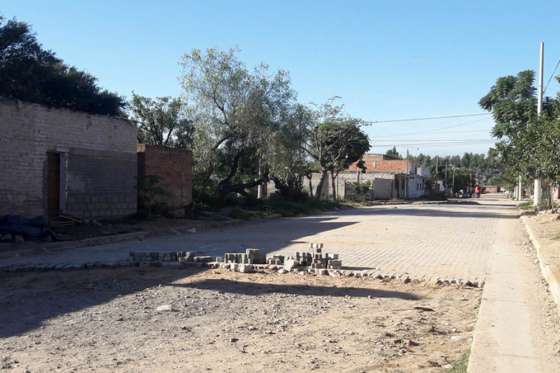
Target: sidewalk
(518, 323)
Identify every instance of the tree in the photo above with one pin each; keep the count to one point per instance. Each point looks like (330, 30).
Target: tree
(334, 141)
(162, 121)
(239, 112)
(528, 144)
(31, 73)
(513, 104)
(288, 163)
(393, 153)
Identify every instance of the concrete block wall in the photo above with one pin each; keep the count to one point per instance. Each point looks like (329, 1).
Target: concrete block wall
(174, 168)
(101, 183)
(99, 154)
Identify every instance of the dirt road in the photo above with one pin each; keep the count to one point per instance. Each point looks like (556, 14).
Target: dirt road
(108, 321)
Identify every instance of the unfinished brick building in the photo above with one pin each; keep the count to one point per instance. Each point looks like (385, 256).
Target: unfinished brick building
(173, 169)
(56, 161)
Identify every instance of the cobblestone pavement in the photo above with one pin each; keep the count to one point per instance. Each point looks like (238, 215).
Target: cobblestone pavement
(447, 240)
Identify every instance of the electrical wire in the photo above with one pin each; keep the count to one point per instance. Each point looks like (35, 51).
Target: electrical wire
(551, 76)
(469, 122)
(438, 142)
(425, 118)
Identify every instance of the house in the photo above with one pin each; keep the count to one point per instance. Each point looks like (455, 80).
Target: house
(58, 161)
(390, 178)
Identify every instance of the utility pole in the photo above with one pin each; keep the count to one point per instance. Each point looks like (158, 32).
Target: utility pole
(537, 191)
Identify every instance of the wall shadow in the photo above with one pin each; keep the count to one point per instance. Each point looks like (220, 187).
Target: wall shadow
(27, 300)
(255, 289)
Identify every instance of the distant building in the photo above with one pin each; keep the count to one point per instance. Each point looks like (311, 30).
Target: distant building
(390, 178)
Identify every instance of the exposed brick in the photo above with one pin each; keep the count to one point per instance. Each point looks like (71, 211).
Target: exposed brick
(174, 168)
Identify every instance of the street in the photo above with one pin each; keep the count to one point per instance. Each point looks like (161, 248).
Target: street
(422, 240)
(515, 329)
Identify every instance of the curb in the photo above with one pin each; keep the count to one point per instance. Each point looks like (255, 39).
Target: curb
(60, 246)
(552, 279)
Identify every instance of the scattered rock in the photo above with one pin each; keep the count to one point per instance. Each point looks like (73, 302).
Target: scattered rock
(164, 308)
(411, 343)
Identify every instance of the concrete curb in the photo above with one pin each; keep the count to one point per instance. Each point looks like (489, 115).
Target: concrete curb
(52, 247)
(552, 279)
(60, 246)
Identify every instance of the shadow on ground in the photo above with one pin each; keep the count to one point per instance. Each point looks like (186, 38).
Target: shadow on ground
(28, 300)
(255, 289)
(431, 212)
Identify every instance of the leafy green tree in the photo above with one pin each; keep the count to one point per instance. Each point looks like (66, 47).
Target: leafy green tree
(527, 144)
(513, 104)
(239, 112)
(288, 163)
(334, 141)
(31, 73)
(393, 153)
(162, 121)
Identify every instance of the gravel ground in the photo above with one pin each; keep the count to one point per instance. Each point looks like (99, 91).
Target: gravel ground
(161, 320)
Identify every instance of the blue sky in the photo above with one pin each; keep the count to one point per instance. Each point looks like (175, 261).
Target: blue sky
(386, 59)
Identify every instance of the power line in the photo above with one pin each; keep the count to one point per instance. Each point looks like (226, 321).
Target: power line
(389, 139)
(469, 122)
(551, 76)
(426, 118)
(438, 142)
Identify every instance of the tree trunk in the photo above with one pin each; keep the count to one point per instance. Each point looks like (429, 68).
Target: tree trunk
(319, 189)
(333, 184)
(310, 186)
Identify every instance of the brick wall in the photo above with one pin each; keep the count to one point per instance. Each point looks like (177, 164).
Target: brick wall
(377, 163)
(98, 156)
(174, 168)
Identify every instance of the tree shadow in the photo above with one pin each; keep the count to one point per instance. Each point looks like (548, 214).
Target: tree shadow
(431, 212)
(256, 289)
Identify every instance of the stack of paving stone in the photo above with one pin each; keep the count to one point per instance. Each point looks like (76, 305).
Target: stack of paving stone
(275, 260)
(315, 259)
(177, 257)
(250, 256)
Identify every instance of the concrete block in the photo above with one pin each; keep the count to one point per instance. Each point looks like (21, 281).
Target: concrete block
(290, 263)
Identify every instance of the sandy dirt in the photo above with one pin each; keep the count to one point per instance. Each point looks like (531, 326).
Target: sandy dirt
(108, 321)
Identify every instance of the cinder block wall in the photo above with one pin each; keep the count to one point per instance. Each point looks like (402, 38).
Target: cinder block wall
(98, 152)
(174, 168)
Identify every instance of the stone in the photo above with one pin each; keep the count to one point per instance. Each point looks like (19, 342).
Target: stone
(282, 271)
(290, 264)
(203, 259)
(164, 308)
(322, 271)
(246, 268)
